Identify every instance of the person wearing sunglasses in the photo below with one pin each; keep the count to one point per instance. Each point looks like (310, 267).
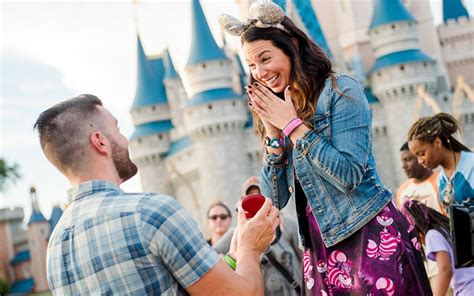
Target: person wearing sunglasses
(219, 219)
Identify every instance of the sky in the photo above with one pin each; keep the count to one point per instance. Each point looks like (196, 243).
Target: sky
(54, 50)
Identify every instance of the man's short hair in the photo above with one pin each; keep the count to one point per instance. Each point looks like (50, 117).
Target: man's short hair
(64, 128)
(405, 147)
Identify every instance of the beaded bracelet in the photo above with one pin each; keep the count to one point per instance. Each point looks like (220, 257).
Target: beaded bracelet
(230, 261)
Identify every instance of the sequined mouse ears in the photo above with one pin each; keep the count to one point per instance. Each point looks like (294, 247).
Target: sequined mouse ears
(262, 14)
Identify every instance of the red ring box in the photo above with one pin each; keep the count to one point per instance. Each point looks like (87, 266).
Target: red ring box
(252, 203)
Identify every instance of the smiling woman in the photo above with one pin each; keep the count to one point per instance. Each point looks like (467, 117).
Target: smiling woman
(316, 125)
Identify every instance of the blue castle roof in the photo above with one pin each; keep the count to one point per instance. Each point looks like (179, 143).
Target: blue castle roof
(23, 286)
(400, 57)
(211, 95)
(36, 217)
(55, 216)
(203, 45)
(170, 71)
(309, 18)
(249, 122)
(389, 11)
(151, 128)
(178, 145)
(281, 3)
(453, 9)
(21, 257)
(150, 73)
(371, 98)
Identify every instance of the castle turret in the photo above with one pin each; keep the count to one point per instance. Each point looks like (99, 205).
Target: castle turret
(400, 68)
(175, 92)
(151, 117)
(214, 116)
(38, 234)
(55, 216)
(456, 37)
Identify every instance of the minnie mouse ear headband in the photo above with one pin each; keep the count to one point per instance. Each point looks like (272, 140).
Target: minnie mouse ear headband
(262, 14)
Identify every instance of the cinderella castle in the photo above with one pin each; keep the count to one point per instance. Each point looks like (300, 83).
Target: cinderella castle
(197, 143)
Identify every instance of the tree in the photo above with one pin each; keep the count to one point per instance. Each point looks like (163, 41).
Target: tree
(8, 174)
(4, 287)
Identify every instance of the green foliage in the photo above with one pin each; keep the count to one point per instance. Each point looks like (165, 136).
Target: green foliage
(4, 287)
(8, 174)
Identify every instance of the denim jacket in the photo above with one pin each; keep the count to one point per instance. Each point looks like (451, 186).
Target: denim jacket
(334, 164)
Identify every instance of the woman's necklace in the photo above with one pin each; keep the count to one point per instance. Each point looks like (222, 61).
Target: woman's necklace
(448, 193)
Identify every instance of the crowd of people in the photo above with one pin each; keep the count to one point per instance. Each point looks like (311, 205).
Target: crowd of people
(350, 236)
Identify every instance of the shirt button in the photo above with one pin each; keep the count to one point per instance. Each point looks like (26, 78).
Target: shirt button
(290, 189)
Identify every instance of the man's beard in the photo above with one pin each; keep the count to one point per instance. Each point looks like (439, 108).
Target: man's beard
(123, 164)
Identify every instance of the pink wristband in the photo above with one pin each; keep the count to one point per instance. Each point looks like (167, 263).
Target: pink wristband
(291, 126)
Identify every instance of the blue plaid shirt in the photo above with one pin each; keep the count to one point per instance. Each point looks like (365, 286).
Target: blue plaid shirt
(111, 242)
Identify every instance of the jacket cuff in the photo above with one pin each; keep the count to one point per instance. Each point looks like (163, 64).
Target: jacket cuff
(309, 138)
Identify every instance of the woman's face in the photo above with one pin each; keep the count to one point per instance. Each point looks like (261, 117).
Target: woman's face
(268, 64)
(428, 154)
(218, 220)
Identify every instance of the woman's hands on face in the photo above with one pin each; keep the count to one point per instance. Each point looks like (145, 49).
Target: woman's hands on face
(271, 108)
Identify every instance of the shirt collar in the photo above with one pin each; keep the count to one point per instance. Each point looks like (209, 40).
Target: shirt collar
(91, 187)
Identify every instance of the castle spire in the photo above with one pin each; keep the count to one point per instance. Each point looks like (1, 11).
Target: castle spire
(36, 215)
(150, 89)
(453, 9)
(170, 71)
(203, 45)
(389, 11)
(310, 20)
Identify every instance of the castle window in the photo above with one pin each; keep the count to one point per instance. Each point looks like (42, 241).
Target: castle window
(153, 108)
(139, 140)
(233, 103)
(379, 74)
(394, 92)
(204, 66)
(402, 67)
(221, 63)
(425, 64)
(209, 107)
(376, 32)
(160, 136)
(393, 27)
(445, 99)
(403, 90)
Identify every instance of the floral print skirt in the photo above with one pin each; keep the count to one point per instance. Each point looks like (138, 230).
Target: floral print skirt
(381, 258)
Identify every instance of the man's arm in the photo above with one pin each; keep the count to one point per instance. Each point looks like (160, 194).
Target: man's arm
(254, 237)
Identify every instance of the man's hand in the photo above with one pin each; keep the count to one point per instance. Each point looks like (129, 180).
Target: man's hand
(256, 234)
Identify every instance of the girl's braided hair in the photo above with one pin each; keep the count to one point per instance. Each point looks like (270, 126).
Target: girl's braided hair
(442, 126)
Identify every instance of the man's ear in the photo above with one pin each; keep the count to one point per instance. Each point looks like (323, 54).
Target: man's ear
(99, 142)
